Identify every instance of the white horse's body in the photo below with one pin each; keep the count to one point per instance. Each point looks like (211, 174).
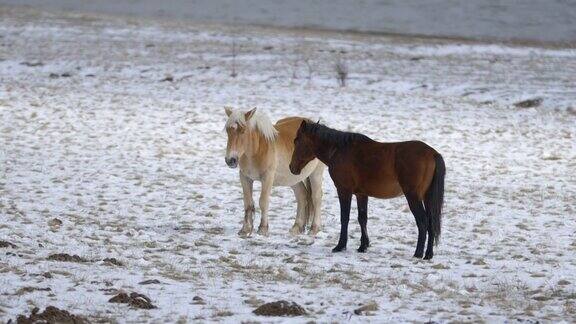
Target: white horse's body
(263, 151)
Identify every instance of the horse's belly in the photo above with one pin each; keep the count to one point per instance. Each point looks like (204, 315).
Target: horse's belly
(384, 190)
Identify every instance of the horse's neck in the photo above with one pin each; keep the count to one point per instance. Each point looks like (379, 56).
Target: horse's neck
(325, 151)
(257, 144)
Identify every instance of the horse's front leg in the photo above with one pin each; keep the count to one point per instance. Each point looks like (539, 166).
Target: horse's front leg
(345, 201)
(316, 203)
(249, 210)
(267, 181)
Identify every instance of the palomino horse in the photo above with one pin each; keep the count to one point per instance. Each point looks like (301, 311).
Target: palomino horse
(363, 167)
(263, 151)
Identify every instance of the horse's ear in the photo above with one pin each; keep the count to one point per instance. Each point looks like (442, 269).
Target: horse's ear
(228, 111)
(250, 114)
(318, 122)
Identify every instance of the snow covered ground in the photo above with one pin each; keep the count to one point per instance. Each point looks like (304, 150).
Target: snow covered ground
(101, 158)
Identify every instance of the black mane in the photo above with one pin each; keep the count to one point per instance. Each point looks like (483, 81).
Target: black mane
(335, 137)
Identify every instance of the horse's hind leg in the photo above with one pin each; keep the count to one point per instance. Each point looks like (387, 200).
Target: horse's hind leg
(249, 210)
(430, 247)
(417, 209)
(362, 202)
(301, 194)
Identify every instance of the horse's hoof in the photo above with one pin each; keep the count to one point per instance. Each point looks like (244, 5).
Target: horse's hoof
(314, 230)
(338, 249)
(262, 231)
(244, 233)
(428, 256)
(362, 249)
(418, 255)
(295, 230)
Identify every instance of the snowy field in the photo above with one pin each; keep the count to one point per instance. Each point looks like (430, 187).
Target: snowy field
(112, 146)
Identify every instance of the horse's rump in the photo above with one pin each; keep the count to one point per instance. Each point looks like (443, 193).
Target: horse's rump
(414, 166)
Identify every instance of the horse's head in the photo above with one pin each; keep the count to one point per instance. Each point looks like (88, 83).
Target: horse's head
(303, 148)
(237, 129)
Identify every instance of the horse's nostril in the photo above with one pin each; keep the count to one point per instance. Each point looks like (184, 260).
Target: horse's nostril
(232, 162)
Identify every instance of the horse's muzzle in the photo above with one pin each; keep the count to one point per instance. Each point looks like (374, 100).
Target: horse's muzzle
(293, 170)
(232, 162)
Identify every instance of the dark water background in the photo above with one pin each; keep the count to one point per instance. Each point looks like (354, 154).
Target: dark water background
(552, 21)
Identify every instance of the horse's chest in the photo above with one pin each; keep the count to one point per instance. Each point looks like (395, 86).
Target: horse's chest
(251, 171)
(342, 177)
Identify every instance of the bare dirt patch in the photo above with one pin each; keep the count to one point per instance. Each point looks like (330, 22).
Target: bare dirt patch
(280, 308)
(197, 300)
(149, 282)
(113, 262)
(135, 300)
(25, 290)
(530, 103)
(5, 244)
(50, 315)
(366, 309)
(64, 257)
(55, 222)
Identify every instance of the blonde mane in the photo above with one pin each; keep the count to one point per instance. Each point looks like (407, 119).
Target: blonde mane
(259, 122)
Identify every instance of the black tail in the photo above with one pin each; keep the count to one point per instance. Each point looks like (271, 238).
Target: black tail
(435, 198)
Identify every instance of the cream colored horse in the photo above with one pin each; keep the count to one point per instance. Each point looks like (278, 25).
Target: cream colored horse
(263, 151)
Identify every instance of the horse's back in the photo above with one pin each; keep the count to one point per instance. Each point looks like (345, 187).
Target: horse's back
(287, 129)
(416, 147)
(290, 124)
(287, 120)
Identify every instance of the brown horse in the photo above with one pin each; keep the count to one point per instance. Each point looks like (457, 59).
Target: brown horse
(363, 167)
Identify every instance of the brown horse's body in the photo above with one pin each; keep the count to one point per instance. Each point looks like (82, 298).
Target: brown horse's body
(365, 168)
(382, 170)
